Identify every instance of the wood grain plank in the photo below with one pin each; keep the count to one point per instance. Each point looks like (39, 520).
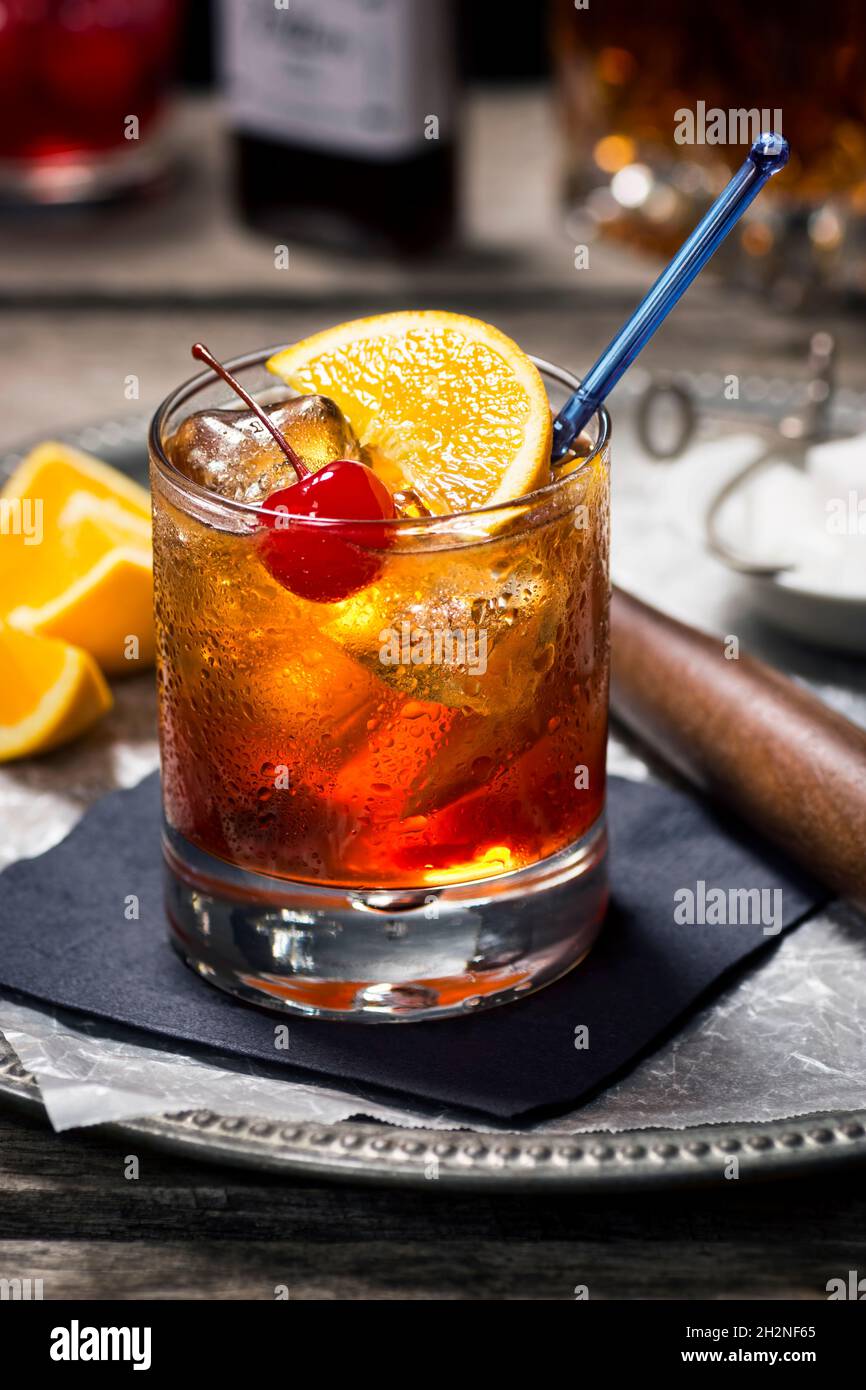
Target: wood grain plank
(368, 1269)
(184, 1230)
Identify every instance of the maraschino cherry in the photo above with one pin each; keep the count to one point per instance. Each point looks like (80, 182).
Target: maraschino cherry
(324, 562)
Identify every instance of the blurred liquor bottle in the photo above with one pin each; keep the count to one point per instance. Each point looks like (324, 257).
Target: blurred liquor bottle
(342, 114)
(641, 89)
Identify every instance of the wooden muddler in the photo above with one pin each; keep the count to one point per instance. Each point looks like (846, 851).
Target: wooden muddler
(769, 749)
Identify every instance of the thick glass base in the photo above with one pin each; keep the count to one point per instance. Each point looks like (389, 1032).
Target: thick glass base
(385, 956)
(82, 178)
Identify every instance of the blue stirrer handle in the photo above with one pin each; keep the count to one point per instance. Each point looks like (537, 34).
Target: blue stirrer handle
(767, 156)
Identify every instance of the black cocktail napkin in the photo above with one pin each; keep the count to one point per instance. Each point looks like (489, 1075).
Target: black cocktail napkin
(64, 939)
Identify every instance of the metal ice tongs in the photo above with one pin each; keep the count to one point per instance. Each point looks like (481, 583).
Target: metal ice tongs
(788, 440)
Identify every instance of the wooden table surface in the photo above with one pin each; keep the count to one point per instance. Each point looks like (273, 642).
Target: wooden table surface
(68, 1216)
(76, 324)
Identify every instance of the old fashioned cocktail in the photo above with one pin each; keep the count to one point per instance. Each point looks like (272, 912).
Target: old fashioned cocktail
(383, 738)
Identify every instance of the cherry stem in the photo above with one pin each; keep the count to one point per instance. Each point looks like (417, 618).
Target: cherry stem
(202, 354)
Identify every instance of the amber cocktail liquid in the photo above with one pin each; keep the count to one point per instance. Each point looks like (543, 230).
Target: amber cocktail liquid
(386, 805)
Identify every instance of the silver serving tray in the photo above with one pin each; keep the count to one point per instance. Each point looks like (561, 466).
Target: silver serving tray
(461, 1158)
(357, 1152)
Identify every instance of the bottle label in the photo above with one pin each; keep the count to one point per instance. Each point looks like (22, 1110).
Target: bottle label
(366, 77)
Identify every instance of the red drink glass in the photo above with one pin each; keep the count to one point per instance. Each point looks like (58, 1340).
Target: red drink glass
(82, 86)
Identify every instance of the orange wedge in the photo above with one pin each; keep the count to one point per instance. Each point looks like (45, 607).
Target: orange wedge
(51, 693)
(54, 471)
(75, 556)
(445, 404)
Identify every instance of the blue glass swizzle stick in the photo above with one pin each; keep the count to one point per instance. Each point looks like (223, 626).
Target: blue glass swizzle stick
(767, 156)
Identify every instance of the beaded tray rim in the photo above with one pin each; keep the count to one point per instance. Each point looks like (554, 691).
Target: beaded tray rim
(355, 1151)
